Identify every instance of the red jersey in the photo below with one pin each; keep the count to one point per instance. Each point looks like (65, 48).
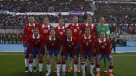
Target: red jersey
(76, 30)
(28, 30)
(35, 42)
(92, 28)
(60, 32)
(103, 47)
(46, 30)
(52, 44)
(70, 45)
(87, 44)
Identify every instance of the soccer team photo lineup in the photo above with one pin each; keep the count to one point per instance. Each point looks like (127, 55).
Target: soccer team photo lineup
(68, 38)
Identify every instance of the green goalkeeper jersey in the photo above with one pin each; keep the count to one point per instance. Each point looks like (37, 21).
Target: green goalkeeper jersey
(104, 27)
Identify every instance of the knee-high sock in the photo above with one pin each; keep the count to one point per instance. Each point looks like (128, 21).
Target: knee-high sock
(48, 67)
(63, 67)
(40, 67)
(75, 67)
(58, 68)
(26, 62)
(30, 67)
(92, 67)
(110, 68)
(83, 68)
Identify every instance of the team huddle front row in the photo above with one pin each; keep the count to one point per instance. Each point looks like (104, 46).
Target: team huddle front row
(64, 42)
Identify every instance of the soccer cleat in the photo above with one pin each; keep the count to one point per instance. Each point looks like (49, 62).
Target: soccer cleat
(105, 70)
(26, 69)
(110, 74)
(98, 74)
(34, 69)
(48, 74)
(40, 74)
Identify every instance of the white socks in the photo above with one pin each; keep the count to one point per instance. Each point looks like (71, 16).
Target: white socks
(75, 67)
(83, 69)
(30, 67)
(40, 67)
(26, 62)
(63, 67)
(91, 69)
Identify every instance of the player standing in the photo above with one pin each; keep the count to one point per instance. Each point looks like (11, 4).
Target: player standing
(35, 45)
(53, 48)
(87, 50)
(103, 49)
(77, 30)
(70, 43)
(27, 30)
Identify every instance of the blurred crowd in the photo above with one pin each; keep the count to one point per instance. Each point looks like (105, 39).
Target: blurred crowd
(115, 6)
(45, 5)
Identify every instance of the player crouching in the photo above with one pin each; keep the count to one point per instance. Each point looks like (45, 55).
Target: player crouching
(103, 49)
(87, 50)
(53, 48)
(35, 42)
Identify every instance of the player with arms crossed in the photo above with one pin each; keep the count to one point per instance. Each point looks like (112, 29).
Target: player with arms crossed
(35, 45)
(103, 49)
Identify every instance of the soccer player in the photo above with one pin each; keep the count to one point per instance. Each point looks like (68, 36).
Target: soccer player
(90, 25)
(87, 50)
(35, 45)
(77, 30)
(103, 49)
(53, 48)
(102, 26)
(70, 43)
(27, 30)
(46, 28)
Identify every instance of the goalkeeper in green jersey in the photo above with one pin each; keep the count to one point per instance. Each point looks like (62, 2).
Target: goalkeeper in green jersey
(102, 26)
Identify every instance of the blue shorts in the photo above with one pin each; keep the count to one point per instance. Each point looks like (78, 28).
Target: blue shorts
(55, 52)
(87, 54)
(106, 56)
(26, 49)
(78, 50)
(35, 52)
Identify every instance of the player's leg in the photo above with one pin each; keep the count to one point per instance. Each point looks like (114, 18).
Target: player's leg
(109, 57)
(92, 63)
(30, 63)
(35, 52)
(105, 64)
(64, 58)
(83, 65)
(75, 62)
(98, 56)
(49, 56)
(26, 59)
(58, 61)
(78, 55)
(40, 63)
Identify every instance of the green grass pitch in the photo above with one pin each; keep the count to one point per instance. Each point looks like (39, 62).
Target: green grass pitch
(12, 64)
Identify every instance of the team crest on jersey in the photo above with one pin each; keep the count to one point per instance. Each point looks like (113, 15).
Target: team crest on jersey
(61, 33)
(77, 27)
(90, 40)
(45, 31)
(75, 30)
